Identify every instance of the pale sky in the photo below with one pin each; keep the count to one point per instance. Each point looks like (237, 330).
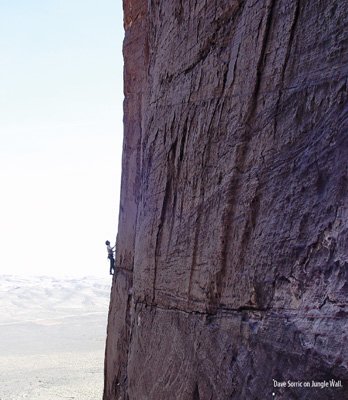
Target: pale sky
(61, 93)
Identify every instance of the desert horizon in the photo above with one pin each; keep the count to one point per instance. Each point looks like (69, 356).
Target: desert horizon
(52, 337)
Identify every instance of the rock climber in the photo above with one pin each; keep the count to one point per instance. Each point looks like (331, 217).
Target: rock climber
(111, 257)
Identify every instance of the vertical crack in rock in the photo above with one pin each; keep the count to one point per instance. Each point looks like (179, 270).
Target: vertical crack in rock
(286, 59)
(164, 209)
(260, 63)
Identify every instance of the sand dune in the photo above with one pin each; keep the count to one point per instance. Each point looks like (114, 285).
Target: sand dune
(52, 336)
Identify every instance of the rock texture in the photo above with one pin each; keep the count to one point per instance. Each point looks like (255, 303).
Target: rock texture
(233, 235)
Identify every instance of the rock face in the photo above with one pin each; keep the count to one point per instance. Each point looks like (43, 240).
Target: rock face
(233, 234)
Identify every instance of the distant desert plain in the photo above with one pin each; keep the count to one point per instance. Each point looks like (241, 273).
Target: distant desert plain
(52, 337)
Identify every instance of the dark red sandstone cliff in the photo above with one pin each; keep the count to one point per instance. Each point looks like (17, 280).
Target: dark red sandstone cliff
(232, 248)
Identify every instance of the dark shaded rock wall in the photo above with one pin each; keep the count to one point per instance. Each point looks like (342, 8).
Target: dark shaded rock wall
(233, 236)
